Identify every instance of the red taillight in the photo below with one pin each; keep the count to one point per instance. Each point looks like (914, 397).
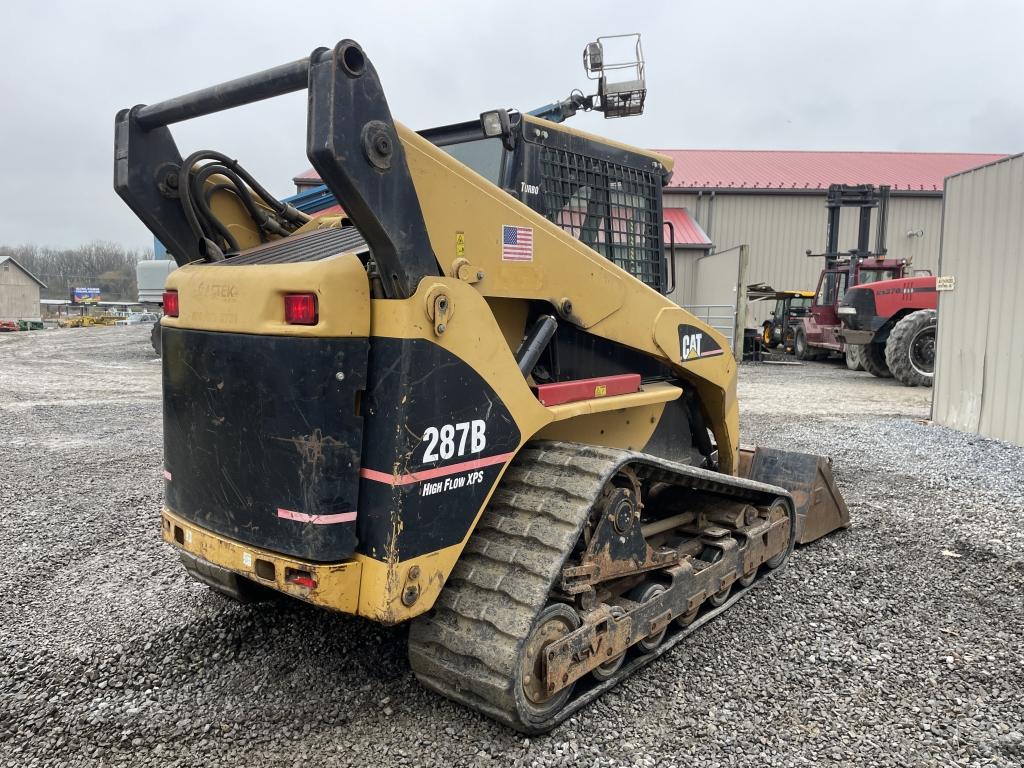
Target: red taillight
(171, 303)
(300, 308)
(300, 578)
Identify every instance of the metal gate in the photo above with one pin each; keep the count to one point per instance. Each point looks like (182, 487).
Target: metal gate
(721, 317)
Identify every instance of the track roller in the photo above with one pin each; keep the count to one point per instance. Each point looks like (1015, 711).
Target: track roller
(554, 623)
(607, 670)
(644, 594)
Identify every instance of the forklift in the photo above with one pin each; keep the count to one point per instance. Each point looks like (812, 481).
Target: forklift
(818, 333)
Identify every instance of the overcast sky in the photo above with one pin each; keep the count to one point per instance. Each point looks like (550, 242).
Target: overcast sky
(920, 75)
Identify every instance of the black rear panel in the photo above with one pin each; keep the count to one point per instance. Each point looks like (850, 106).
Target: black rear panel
(437, 437)
(262, 441)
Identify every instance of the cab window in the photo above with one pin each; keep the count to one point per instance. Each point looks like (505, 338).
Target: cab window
(482, 155)
(874, 275)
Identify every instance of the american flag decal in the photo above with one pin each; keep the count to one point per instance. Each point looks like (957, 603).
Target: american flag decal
(516, 243)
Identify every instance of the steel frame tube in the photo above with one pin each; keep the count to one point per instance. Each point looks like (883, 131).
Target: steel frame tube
(276, 81)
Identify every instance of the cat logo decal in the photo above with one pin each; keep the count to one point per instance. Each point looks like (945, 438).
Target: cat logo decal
(695, 344)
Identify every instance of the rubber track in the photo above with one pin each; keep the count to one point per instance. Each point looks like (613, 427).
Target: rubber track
(468, 647)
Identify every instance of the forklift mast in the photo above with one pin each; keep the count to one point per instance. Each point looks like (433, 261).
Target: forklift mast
(865, 197)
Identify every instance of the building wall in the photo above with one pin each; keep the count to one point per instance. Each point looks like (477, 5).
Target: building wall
(685, 292)
(780, 228)
(980, 358)
(19, 294)
(706, 284)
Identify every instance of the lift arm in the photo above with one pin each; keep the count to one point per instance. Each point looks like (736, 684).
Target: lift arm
(351, 142)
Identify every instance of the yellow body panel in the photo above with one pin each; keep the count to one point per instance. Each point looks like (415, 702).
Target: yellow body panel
(384, 584)
(604, 299)
(337, 583)
(250, 299)
(628, 428)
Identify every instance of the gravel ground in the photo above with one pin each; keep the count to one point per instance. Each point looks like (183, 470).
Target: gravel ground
(898, 642)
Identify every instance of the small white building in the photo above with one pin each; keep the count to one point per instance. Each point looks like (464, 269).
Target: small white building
(19, 291)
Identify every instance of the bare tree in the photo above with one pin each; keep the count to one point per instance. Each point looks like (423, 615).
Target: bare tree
(107, 266)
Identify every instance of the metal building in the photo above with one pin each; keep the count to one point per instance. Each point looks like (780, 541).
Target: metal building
(774, 202)
(979, 366)
(19, 291)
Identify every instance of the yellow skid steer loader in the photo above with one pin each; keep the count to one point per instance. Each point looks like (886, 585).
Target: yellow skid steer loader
(464, 402)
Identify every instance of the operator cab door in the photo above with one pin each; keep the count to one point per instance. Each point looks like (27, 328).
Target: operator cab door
(605, 196)
(779, 318)
(824, 314)
(779, 313)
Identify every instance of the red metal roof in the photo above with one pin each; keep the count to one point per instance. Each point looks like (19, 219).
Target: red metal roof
(796, 170)
(688, 232)
(330, 210)
(783, 169)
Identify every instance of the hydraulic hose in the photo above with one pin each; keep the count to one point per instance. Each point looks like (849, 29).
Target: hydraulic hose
(195, 201)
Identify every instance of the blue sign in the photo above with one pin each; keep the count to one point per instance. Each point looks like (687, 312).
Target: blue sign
(85, 295)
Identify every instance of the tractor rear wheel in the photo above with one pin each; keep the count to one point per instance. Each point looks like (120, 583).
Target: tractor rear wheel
(873, 360)
(854, 353)
(910, 351)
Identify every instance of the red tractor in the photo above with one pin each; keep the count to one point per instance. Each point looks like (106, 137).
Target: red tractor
(867, 306)
(890, 328)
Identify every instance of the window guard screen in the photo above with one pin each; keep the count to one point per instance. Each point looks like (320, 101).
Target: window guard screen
(610, 207)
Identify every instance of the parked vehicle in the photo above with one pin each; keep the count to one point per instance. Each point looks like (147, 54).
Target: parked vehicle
(891, 326)
(790, 306)
(138, 318)
(862, 297)
(151, 276)
(86, 321)
(21, 325)
(535, 462)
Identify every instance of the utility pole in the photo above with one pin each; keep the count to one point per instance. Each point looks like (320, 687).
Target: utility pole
(741, 303)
